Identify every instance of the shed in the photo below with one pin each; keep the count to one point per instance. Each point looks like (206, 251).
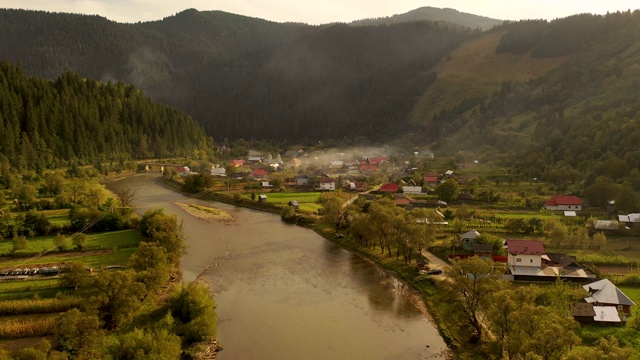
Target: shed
(294, 204)
(262, 198)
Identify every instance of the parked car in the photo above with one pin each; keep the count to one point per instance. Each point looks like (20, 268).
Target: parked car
(435, 272)
(4, 272)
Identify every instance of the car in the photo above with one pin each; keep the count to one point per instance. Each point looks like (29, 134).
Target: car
(4, 273)
(435, 272)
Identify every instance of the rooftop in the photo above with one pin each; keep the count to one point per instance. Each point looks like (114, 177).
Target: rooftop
(525, 247)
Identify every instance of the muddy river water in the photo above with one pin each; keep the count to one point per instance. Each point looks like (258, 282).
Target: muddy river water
(284, 292)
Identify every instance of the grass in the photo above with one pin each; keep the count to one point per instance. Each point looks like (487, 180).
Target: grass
(285, 197)
(107, 240)
(7, 286)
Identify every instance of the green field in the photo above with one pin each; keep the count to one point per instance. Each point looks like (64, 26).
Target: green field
(8, 286)
(285, 197)
(108, 240)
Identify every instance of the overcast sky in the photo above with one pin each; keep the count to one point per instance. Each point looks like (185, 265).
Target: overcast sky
(323, 11)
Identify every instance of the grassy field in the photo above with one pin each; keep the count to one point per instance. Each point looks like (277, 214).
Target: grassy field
(9, 286)
(110, 240)
(57, 217)
(285, 197)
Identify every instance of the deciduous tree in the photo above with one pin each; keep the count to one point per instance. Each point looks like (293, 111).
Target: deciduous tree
(473, 282)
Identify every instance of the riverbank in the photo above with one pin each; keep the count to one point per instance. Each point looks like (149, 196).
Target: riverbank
(421, 288)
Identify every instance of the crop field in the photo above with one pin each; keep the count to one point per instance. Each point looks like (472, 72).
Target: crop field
(96, 259)
(110, 240)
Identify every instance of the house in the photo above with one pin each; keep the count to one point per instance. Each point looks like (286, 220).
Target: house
(219, 171)
(182, 170)
(468, 239)
(564, 202)
(262, 198)
(412, 189)
(466, 199)
(326, 183)
(483, 250)
(565, 266)
(401, 200)
(356, 186)
(336, 164)
(236, 163)
(389, 188)
(431, 180)
(604, 293)
(525, 253)
(606, 225)
(258, 174)
(302, 180)
(586, 313)
(254, 159)
(629, 219)
(265, 184)
(294, 204)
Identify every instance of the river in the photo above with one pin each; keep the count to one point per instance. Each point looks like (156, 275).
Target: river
(284, 292)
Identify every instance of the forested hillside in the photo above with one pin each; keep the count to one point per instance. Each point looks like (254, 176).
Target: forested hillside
(243, 77)
(45, 124)
(580, 116)
(428, 13)
(542, 95)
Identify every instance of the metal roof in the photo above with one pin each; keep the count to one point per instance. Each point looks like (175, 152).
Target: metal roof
(604, 292)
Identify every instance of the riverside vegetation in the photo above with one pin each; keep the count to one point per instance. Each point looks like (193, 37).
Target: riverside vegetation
(485, 317)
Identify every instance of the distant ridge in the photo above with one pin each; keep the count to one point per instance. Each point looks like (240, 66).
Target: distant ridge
(434, 14)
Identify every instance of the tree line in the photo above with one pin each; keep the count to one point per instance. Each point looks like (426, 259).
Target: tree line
(49, 124)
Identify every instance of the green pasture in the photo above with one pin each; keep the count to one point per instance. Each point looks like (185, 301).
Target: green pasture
(58, 217)
(285, 197)
(106, 240)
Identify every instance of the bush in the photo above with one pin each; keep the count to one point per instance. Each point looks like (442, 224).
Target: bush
(288, 214)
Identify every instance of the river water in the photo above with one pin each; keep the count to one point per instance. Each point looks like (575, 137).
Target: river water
(284, 292)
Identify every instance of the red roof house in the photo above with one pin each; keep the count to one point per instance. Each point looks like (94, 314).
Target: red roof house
(390, 187)
(431, 180)
(564, 202)
(525, 253)
(258, 173)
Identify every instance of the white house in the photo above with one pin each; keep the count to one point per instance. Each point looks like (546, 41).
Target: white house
(218, 171)
(564, 202)
(326, 183)
(525, 253)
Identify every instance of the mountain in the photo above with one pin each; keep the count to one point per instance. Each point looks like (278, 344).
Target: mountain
(537, 95)
(427, 13)
(244, 77)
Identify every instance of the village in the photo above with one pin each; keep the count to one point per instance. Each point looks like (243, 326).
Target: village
(478, 209)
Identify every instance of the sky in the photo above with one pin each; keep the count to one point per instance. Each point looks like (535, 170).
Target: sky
(323, 11)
